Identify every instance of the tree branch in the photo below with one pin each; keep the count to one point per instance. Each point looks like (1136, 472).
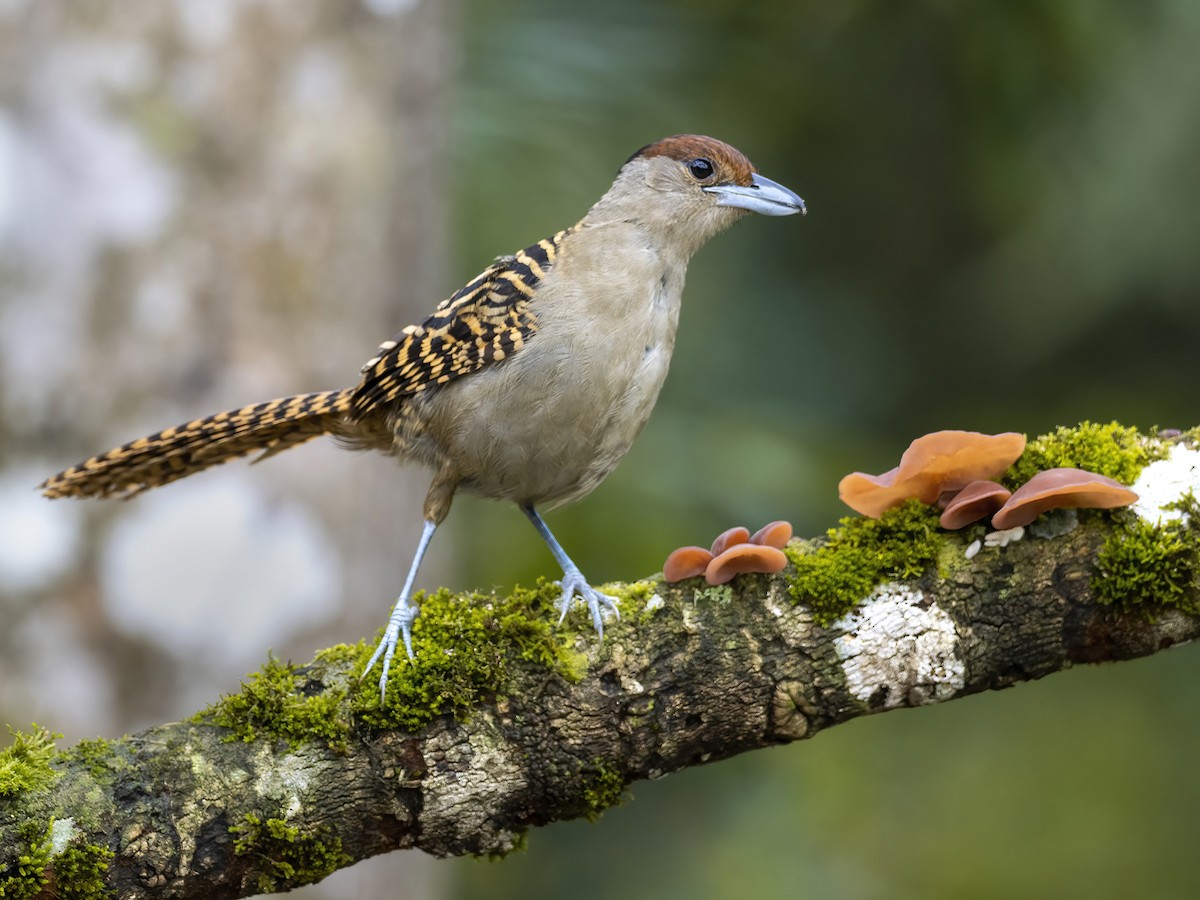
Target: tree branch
(555, 724)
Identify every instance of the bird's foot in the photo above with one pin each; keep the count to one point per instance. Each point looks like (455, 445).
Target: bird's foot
(399, 627)
(573, 583)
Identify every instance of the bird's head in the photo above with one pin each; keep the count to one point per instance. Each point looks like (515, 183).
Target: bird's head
(692, 187)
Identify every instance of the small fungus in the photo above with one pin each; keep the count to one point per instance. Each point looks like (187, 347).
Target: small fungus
(761, 552)
(773, 534)
(726, 539)
(742, 558)
(686, 562)
(1004, 537)
(976, 501)
(932, 465)
(1061, 489)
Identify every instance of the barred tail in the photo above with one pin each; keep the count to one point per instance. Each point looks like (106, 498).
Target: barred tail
(161, 458)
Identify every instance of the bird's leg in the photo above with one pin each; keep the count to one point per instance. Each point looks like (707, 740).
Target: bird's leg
(399, 626)
(573, 581)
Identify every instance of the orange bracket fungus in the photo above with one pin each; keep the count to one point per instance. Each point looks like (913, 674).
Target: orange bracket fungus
(932, 465)
(742, 558)
(773, 534)
(1061, 489)
(726, 539)
(976, 501)
(733, 552)
(686, 562)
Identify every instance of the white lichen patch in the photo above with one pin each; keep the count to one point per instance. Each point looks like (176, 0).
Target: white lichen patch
(896, 652)
(1166, 481)
(655, 602)
(62, 832)
(284, 779)
(631, 685)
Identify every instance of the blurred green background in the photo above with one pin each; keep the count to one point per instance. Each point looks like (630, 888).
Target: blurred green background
(1003, 234)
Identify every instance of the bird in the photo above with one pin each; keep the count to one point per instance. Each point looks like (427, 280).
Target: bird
(528, 385)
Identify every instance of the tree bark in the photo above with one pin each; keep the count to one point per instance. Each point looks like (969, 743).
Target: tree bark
(691, 675)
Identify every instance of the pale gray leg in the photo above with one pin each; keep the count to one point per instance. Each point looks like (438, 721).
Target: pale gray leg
(573, 581)
(405, 612)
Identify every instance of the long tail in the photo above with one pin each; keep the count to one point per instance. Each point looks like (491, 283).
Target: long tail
(161, 458)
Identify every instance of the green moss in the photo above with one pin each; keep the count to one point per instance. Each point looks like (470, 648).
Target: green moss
(98, 756)
(340, 654)
(465, 647)
(631, 595)
(25, 764)
(572, 663)
(603, 788)
(79, 872)
(275, 701)
(1112, 450)
(1147, 568)
(531, 634)
(861, 554)
(291, 857)
(632, 599)
(26, 876)
(93, 753)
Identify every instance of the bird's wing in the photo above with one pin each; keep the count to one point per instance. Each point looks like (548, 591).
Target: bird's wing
(484, 322)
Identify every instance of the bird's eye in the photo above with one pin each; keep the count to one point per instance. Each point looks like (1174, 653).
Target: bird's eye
(700, 168)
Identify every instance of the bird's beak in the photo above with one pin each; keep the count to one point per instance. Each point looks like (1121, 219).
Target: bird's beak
(762, 195)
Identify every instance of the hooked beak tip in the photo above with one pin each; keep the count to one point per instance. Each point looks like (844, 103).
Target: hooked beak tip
(762, 196)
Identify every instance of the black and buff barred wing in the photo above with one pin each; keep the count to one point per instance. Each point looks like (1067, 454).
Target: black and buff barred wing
(484, 322)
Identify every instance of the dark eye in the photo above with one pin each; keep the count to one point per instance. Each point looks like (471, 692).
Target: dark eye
(700, 168)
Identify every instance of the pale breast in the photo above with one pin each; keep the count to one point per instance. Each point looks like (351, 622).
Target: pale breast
(551, 422)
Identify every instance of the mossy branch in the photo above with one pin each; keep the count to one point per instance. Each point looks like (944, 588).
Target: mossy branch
(506, 723)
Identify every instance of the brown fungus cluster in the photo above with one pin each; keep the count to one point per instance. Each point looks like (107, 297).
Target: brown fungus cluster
(1061, 489)
(734, 552)
(933, 465)
(956, 470)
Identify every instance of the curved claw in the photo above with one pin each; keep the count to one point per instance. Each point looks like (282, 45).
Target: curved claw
(399, 628)
(573, 583)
